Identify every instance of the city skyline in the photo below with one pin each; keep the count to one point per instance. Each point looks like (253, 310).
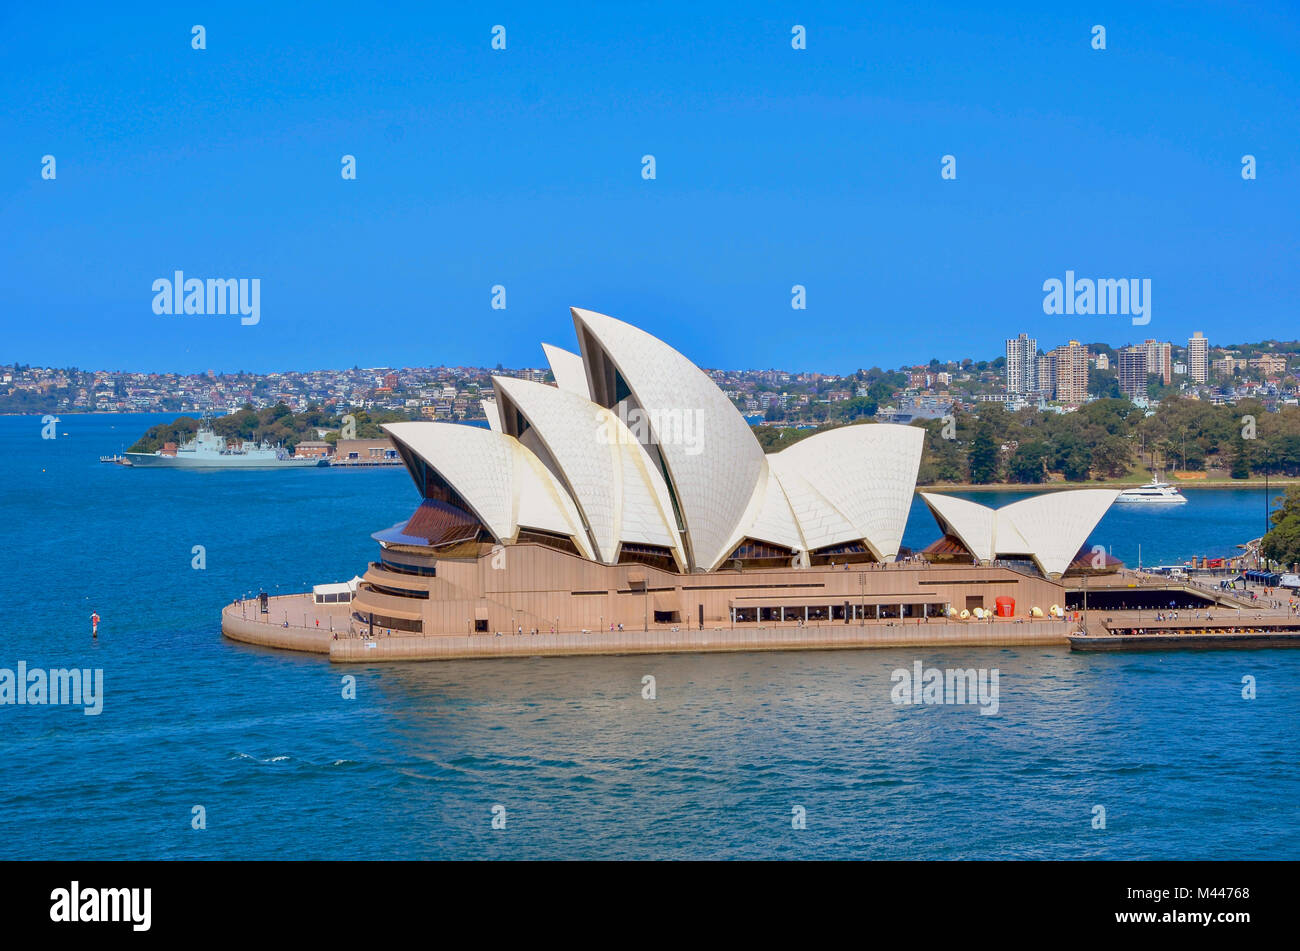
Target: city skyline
(1061, 375)
(539, 362)
(775, 168)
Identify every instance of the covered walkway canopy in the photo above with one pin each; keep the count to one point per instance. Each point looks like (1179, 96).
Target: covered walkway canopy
(339, 592)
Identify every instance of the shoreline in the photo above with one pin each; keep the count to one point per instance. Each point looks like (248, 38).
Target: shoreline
(1251, 483)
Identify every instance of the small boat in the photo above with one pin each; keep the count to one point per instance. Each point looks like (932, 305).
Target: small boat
(1154, 492)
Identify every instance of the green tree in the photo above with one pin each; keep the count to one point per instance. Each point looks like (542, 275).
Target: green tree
(1028, 463)
(1240, 464)
(1112, 457)
(1103, 384)
(982, 459)
(942, 459)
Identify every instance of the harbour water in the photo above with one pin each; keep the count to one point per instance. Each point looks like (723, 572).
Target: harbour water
(582, 764)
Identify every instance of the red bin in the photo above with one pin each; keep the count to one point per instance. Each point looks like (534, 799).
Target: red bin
(1006, 606)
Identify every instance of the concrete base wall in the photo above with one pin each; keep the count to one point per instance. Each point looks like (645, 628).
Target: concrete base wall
(243, 624)
(833, 637)
(530, 586)
(252, 631)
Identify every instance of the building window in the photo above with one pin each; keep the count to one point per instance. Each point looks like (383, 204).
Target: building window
(654, 555)
(549, 540)
(397, 592)
(751, 553)
(849, 553)
(383, 622)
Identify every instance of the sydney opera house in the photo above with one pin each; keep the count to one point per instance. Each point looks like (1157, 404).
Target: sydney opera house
(632, 495)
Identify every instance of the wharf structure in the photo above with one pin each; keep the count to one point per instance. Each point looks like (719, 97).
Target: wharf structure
(630, 508)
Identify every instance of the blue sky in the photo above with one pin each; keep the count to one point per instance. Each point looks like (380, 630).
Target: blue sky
(522, 168)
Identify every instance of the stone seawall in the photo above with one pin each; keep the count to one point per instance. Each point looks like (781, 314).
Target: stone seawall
(250, 631)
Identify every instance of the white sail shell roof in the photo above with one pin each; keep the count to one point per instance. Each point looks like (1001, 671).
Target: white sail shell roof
(617, 489)
(864, 475)
(568, 369)
(1051, 528)
(1056, 525)
(970, 522)
(770, 517)
(505, 485)
(816, 519)
(635, 439)
(709, 453)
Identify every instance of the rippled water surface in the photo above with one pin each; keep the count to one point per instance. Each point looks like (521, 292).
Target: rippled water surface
(584, 767)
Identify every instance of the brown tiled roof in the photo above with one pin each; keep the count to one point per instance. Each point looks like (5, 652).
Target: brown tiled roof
(947, 545)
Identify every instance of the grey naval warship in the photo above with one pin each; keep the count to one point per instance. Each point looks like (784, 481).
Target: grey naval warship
(207, 450)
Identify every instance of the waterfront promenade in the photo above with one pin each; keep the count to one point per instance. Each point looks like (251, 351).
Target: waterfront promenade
(295, 622)
(292, 624)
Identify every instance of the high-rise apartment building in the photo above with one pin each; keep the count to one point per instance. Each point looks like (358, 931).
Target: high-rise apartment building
(1132, 372)
(1022, 366)
(1198, 358)
(1160, 360)
(1070, 367)
(1046, 376)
